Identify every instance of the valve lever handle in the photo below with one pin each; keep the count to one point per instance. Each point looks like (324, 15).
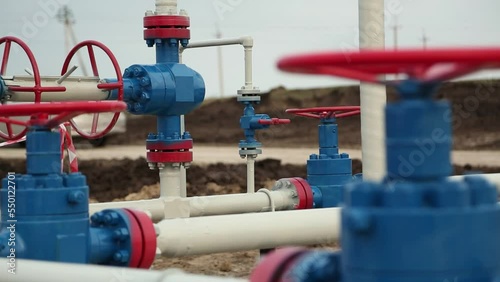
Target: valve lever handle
(274, 121)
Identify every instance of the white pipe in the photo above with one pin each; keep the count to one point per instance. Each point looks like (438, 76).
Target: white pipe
(170, 180)
(166, 7)
(216, 234)
(373, 97)
(77, 89)
(210, 205)
(154, 208)
(182, 168)
(248, 45)
(42, 271)
(246, 42)
(250, 174)
(67, 74)
(242, 203)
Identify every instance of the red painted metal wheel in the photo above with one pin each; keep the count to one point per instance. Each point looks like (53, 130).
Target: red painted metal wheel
(431, 65)
(326, 112)
(94, 133)
(62, 111)
(37, 89)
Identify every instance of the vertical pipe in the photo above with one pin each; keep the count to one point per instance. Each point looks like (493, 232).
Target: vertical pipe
(250, 174)
(183, 129)
(167, 51)
(166, 7)
(183, 173)
(373, 97)
(220, 65)
(170, 183)
(248, 45)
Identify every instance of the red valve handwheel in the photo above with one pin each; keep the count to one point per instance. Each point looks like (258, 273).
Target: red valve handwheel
(326, 112)
(369, 65)
(37, 89)
(64, 111)
(104, 86)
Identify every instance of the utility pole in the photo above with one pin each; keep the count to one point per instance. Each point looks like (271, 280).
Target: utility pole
(220, 62)
(424, 39)
(66, 17)
(395, 30)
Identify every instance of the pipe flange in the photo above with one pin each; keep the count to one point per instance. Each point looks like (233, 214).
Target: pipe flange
(301, 190)
(249, 92)
(166, 27)
(147, 233)
(170, 21)
(133, 234)
(249, 152)
(169, 157)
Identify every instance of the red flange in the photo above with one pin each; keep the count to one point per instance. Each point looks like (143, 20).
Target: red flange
(104, 86)
(170, 157)
(171, 21)
(304, 192)
(166, 33)
(165, 27)
(327, 112)
(37, 89)
(275, 265)
(431, 65)
(146, 252)
(136, 241)
(177, 146)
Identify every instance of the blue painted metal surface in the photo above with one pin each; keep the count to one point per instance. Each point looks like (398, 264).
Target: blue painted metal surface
(316, 266)
(416, 225)
(3, 89)
(47, 211)
(164, 89)
(249, 122)
(328, 171)
(167, 90)
(110, 240)
(51, 209)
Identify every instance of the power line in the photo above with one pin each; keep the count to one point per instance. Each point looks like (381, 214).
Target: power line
(395, 29)
(424, 39)
(66, 17)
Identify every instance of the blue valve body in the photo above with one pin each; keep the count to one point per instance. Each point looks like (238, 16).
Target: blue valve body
(328, 172)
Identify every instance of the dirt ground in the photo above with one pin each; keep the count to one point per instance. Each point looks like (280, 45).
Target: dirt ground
(475, 104)
(127, 179)
(475, 122)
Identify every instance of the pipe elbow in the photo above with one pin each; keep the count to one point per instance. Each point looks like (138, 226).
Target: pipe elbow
(247, 41)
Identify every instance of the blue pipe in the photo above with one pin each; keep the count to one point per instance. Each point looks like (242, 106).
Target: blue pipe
(167, 51)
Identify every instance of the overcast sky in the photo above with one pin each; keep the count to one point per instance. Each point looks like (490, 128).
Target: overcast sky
(279, 27)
